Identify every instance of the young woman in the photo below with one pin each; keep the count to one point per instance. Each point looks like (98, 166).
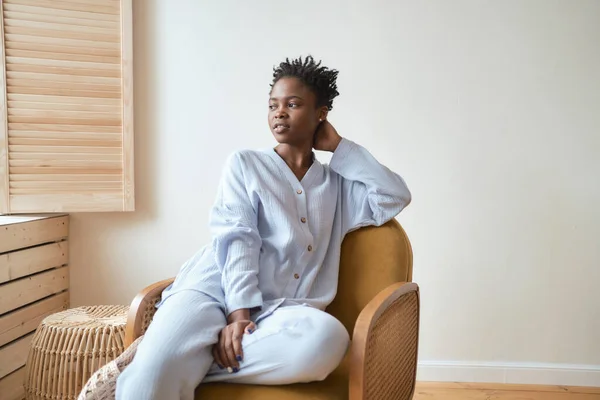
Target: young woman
(248, 308)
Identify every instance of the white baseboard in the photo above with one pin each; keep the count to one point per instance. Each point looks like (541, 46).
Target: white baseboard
(523, 373)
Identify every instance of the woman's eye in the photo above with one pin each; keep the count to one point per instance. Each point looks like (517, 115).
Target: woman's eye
(292, 105)
(272, 107)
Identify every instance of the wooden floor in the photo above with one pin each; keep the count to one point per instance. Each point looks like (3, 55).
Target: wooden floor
(484, 391)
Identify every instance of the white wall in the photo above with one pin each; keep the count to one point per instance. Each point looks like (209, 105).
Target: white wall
(490, 110)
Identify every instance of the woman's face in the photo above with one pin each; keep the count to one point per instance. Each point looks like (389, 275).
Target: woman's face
(293, 113)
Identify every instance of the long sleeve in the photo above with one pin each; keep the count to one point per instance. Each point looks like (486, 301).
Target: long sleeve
(236, 240)
(372, 194)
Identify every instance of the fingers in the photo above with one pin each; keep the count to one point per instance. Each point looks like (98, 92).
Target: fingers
(236, 340)
(230, 352)
(217, 356)
(250, 328)
(221, 350)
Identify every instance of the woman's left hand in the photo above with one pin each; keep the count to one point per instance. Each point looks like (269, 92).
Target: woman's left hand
(228, 351)
(326, 137)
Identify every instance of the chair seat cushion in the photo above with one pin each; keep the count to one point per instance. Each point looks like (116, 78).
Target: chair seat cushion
(335, 387)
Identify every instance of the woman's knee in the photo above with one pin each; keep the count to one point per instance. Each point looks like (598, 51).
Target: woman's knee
(328, 346)
(160, 376)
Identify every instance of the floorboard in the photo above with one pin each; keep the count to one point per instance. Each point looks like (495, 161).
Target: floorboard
(485, 391)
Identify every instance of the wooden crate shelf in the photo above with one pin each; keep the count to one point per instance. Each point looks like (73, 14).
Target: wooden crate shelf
(34, 283)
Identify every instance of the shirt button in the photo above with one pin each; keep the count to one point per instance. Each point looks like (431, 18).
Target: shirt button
(296, 276)
(309, 248)
(299, 191)
(303, 220)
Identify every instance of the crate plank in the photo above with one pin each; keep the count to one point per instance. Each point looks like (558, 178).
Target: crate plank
(24, 291)
(11, 386)
(14, 236)
(20, 219)
(27, 319)
(18, 264)
(14, 355)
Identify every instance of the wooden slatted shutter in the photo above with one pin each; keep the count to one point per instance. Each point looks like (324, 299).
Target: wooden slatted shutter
(66, 112)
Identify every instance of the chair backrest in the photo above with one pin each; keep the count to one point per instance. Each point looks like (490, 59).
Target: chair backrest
(372, 259)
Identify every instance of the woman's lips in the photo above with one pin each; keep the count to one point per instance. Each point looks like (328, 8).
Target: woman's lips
(281, 128)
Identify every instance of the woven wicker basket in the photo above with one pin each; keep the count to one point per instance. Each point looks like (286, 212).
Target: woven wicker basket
(69, 346)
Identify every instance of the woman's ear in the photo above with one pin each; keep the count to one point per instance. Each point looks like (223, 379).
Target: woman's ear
(323, 111)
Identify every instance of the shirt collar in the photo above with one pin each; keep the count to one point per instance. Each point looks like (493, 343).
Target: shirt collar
(315, 170)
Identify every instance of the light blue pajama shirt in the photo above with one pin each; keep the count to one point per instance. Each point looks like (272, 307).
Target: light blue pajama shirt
(276, 241)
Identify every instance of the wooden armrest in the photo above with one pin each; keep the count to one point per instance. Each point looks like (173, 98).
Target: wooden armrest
(142, 309)
(383, 353)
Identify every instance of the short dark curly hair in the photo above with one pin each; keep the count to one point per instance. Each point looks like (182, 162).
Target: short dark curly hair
(321, 80)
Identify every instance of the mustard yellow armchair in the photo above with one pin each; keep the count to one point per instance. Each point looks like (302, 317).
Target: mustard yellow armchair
(376, 302)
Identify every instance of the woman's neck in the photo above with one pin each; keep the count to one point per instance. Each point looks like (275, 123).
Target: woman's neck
(295, 157)
(299, 159)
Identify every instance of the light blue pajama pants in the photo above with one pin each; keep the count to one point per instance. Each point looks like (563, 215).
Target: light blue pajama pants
(294, 344)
